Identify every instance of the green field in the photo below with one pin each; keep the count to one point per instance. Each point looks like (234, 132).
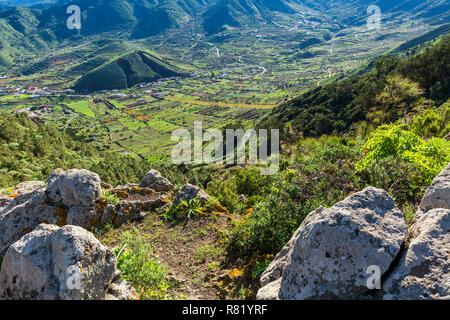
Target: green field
(82, 107)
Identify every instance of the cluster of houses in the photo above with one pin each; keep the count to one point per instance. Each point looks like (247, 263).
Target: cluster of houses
(159, 82)
(33, 91)
(33, 112)
(155, 94)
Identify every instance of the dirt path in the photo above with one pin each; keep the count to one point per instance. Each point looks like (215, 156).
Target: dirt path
(194, 250)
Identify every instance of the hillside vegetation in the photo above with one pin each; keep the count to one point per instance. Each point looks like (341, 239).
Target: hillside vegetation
(393, 89)
(30, 151)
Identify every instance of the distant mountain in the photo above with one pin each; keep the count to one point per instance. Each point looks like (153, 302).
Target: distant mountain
(143, 18)
(27, 3)
(355, 11)
(127, 71)
(20, 33)
(30, 30)
(167, 15)
(236, 13)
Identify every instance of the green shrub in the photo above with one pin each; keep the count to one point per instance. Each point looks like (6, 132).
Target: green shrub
(224, 192)
(145, 274)
(260, 267)
(110, 197)
(250, 182)
(292, 196)
(399, 96)
(30, 151)
(431, 123)
(429, 157)
(186, 209)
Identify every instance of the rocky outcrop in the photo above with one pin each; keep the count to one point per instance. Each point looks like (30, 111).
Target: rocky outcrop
(57, 263)
(423, 271)
(85, 217)
(75, 198)
(270, 291)
(154, 180)
(437, 195)
(4, 200)
(330, 253)
(134, 202)
(125, 211)
(49, 252)
(75, 192)
(25, 187)
(22, 189)
(74, 187)
(120, 290)
(423, 268)
(189, 191)
(275, 269)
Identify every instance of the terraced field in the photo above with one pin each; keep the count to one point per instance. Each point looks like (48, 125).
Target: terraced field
(237, 75)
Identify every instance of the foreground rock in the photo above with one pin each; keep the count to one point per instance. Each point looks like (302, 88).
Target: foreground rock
(57, 263)
(74, 187)
(22, 189)
(120, 290)
(189, 191)
(75, 198)
(330, 253)
(437, 195)
(274, 270)
(25, 188)
(154, 180)
(51, 203)
(423, 271)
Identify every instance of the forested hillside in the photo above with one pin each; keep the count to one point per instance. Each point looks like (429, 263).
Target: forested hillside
(393, 89)
(30, 151)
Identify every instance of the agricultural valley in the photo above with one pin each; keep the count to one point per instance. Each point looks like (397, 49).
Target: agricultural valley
(238, 74)
(363, 114)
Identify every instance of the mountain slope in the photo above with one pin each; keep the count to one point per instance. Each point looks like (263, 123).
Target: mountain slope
(336, 107)
(236, 13)
(167, 15)
(355, 11)
(127, 71)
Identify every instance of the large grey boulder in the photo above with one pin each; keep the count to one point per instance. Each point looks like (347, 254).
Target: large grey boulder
(270, 291)
(154, 180)
(423, 271)
(4, 201)
(275, 269)
(66, 196)
(437, 194)
(74, 187)
(120, 289)
(57, 263)
(23, 214)
(189, 191)
(20, 190)
(85, 217)
(331, 252)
